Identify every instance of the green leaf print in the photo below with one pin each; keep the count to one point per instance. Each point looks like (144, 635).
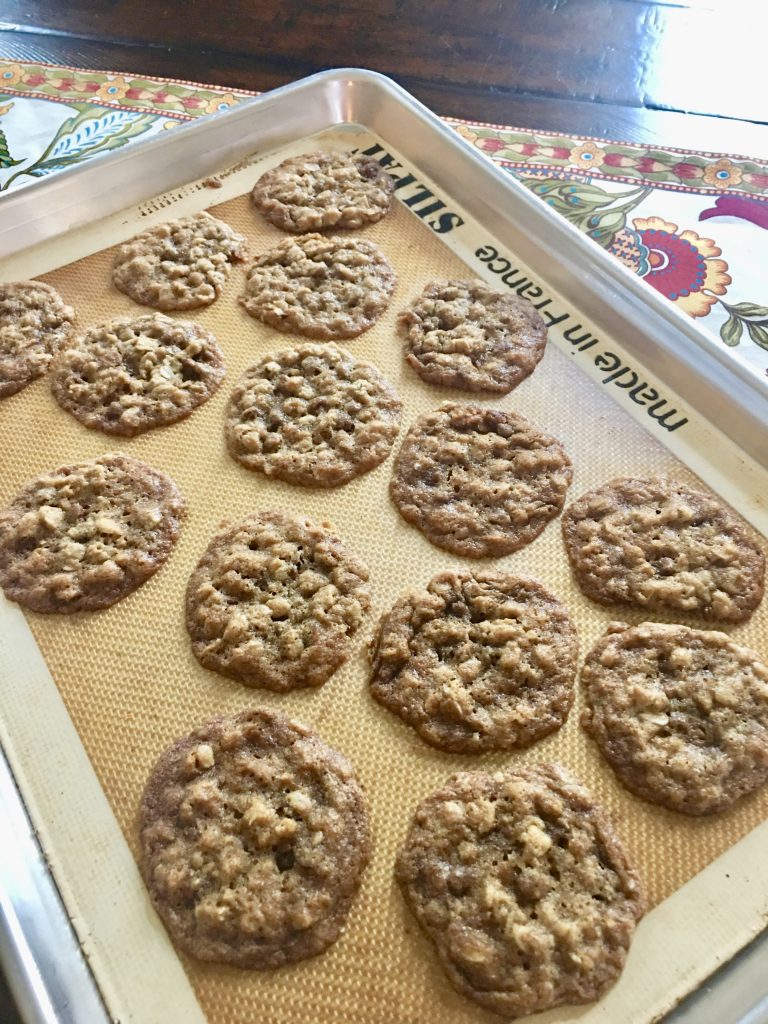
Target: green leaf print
(731, 331)
(88, 133)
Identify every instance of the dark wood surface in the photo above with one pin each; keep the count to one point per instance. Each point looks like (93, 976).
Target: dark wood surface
(685, 73)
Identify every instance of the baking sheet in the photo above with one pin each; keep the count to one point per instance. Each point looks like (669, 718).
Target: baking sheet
(131, 685)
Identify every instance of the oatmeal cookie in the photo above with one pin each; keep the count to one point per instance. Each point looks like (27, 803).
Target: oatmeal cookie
(274, 601)
(254, 837)
(659, 545)
(179, 265)
(318, 191)
(34, 323)
(312, 415)
(463, 334)
(479, 482)
(681, 715)
(477, 661)
(323, 288)
(84, 536)
(132, 374)
(523, 886)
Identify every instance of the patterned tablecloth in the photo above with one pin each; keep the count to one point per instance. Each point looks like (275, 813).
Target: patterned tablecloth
(643, 204)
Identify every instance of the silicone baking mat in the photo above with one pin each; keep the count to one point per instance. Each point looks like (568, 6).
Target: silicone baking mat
(131, 684)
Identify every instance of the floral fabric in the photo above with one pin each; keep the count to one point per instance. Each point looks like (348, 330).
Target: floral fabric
(643, 204)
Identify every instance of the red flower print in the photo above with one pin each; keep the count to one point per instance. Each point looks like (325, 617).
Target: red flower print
(682, 266)
(491, 145)
(618, 160)
(648, 165)
(33, 80)
(684, 170)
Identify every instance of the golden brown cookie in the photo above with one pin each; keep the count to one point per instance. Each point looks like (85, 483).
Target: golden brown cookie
(681, 715)
(274, 601)
(477, 661)
(132, 374)
(479, 482)
(254, 837)
(183, 264)
(312, 415)
(463, 334)
(323, 190)
(34, 323)
(524, 888)
(322, 288)
(83, 536)
(659, 545)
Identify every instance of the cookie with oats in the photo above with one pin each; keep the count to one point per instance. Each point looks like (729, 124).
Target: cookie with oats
(312, 415)
(254, 837)
(274, 601)
(182, 264)
(323, 190)
(477, 661)
(463, 334)
(479, 482)
(34, 323)
(132, 374)
(83, 536)
(521, 883)
(681, 715)
(659, 545)
(323, 288)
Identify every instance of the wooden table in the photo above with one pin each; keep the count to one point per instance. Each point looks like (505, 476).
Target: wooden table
(682, 74)
(674, 72)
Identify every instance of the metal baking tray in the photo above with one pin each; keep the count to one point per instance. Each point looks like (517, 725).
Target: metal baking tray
(47, 965)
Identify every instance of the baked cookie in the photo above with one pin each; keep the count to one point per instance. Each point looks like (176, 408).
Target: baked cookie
(312, 415)
(318, 191)
(477, 661)
(681, 715)
(254, 836)
(34, 323)
(659, 545)
(479, 482)
(84, 536)
(323, 288)
(274, 601)
(179, 265)
(131, 374)
(463, 334)
(524, 888)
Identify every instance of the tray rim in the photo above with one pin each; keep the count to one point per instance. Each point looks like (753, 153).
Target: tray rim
(345, 96)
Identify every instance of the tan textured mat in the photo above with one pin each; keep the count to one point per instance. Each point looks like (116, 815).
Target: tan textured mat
(131, 684)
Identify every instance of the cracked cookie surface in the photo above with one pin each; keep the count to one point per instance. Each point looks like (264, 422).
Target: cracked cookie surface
(479, 482)
(254, 836)
(463, 334)
(477, 661)
(312, 415)
(34, 323)
(523, 886)
(323, 190)
(659, 545)
(132, 374)
(83, 536)
(274, 601)
(680, 714)
(182, 264)
(322, 288)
